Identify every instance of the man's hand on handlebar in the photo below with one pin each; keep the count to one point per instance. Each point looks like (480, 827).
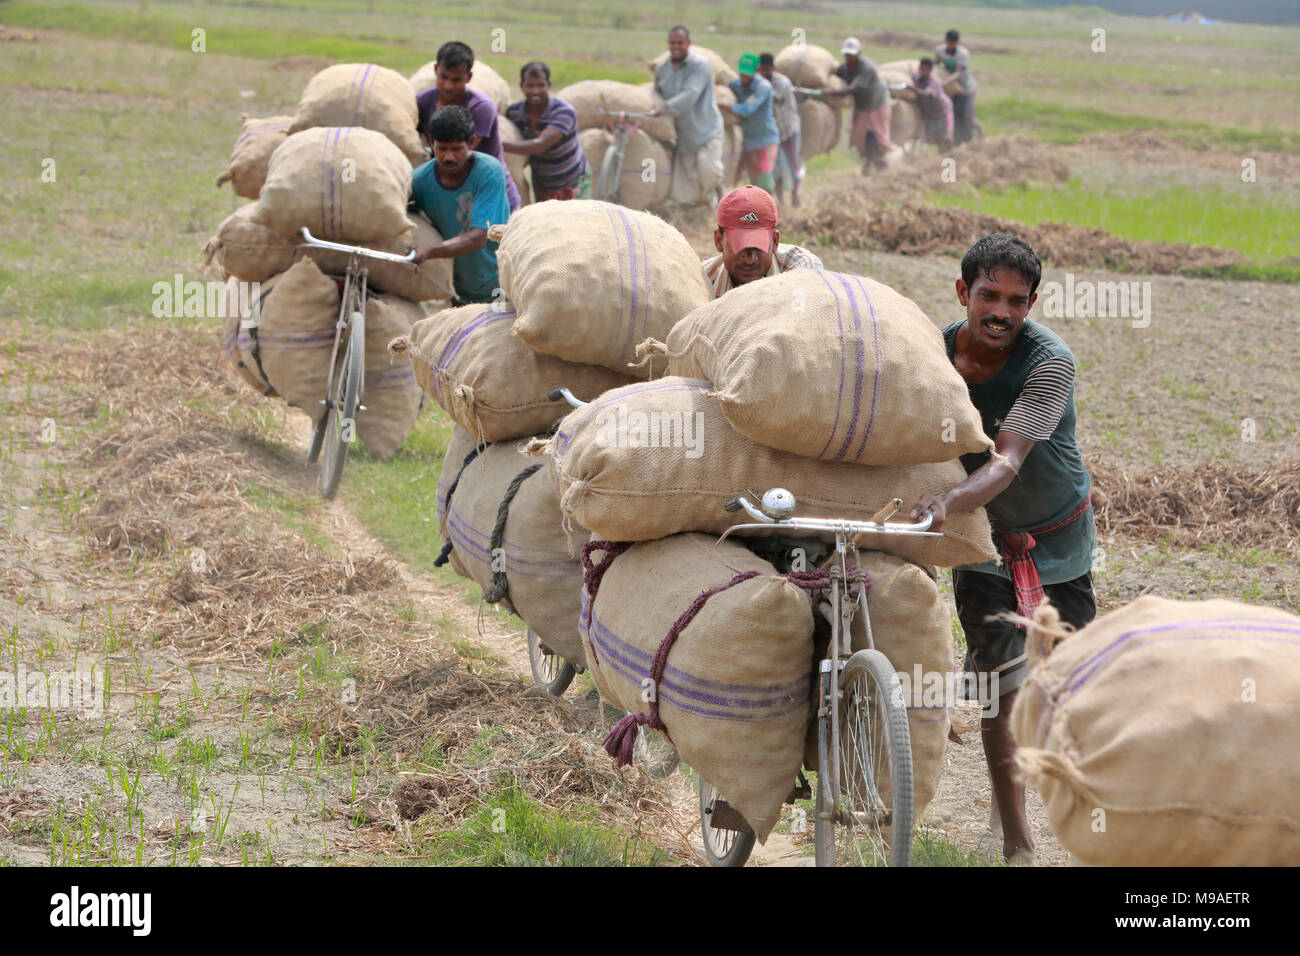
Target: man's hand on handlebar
(656, 111)
(936, 507)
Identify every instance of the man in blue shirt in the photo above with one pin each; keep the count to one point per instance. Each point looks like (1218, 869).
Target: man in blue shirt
(759, 137)
(463, 193)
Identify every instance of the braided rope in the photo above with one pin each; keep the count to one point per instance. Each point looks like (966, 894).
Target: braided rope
(500, 590)
(445, 553)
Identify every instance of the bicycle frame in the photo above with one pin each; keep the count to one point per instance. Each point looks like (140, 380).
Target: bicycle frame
(777, 512)
(624, 123)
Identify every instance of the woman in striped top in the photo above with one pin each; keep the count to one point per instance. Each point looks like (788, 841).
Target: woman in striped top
(550, 130)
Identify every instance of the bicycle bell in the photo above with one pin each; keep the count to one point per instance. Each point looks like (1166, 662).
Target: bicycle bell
(778, 504)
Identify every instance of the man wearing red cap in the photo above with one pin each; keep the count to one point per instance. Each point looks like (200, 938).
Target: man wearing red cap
(746, 239)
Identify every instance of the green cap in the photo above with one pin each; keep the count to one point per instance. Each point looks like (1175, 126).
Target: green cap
(748, 64)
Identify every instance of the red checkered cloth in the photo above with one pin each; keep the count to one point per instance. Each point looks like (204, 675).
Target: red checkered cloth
(1014, 546)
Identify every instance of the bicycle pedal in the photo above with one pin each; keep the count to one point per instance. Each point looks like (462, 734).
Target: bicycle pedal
(723, 816)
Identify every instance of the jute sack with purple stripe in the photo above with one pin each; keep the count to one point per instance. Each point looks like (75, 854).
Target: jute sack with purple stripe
(734, 691)
(390, 394)
(535, 570)
(249, 251)
(910, 625)
(489, 381)
(1167, 733)
(241, 313)
(830, 366)
(296, 335)
(807, 64)
(362, 94)
(343, 183)
(657, 458)
(258, 139)
(590, 280)
(587, 97)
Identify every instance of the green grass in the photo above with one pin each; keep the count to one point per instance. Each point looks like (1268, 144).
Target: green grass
(512, 830)
(1230, 219)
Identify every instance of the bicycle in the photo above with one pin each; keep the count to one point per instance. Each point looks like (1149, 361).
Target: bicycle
(550, 670)
(336, 427)
(862, 726)
(608, 184)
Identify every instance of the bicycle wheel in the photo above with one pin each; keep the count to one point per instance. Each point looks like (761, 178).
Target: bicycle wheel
(317, 439)
(341, 413)
(872, 824)
(550, 670)
(653, 753)
(611, 167)
(723, 846)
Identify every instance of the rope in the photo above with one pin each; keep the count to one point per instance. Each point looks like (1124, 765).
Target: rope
(500, 590)
(445, 553)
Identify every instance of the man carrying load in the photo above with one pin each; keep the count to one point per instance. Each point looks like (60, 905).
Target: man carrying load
(685, 81)
(463, 193)
(933, 104)
(869, 134)
(455, 66)
(759, 136)
(746, 240)
(1036, 490)
(956, 59)
(789, 127)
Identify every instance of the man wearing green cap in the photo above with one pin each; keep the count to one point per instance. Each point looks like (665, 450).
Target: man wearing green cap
(759, 135)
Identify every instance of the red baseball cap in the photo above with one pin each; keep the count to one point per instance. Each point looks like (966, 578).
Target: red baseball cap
(747, 216)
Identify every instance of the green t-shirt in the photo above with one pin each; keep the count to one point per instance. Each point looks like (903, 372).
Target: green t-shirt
(1053, 480)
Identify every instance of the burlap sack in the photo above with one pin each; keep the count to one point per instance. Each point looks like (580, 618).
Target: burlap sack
(365, 95)
(247, 250)
(587, 96)
(483, 79)
(296, 335)
(807, 65)
(830, 366)
(258, 138)
(904, 122)
(723, 95)
(516, 163)
(243, 248)
(490, 382)
(239, 332)
(543, 577)
(390, 394)
(909, 625)
(900, 71)
(647, 172)
(1167, 733)
(735, 691)
(594, 141)
(656, 458)
(590, 280)
(820, 128)
(722, 70)
(343, 183)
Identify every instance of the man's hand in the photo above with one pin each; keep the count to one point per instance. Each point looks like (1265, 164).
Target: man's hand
(656, 111)
(725, 107)
(936, 507)
(422, 254)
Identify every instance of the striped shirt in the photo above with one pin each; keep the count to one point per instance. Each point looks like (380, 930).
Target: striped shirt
(1038, 409)
(787, 257)
(785, 109)
(561, 164)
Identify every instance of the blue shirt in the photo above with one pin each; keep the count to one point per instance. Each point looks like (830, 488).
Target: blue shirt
(477, 203)
(754, 107)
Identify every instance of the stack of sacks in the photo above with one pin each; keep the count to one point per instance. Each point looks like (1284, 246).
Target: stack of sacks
(904, 117)
(813, 67)
(832, 386)
(1174, 723)
(347, 184)
(650, 143)
(258, 139)
(492, 368)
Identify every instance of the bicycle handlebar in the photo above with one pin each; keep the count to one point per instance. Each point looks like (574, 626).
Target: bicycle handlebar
(877, 525)
(562, 393)
(626, 114)
(315, 243)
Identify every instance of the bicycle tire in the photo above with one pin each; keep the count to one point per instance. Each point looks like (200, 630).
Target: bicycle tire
(317, 439)
(345, 397)
(550, 670)
(722, 848)
(654, 754)
(607, 186)
(873, 825)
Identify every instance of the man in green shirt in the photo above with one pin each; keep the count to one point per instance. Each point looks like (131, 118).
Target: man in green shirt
(1036, 490)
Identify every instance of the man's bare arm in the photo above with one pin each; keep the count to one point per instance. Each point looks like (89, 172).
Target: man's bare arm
(455, 247)
(982, 485)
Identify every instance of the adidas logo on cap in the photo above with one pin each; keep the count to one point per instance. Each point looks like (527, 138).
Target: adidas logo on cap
(749, 217)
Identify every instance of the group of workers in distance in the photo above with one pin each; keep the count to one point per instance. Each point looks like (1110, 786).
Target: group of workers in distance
(1020, 374)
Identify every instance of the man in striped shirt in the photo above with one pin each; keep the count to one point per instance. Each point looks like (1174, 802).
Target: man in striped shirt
(1036, 490)
(746, 240)
(550, 130)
